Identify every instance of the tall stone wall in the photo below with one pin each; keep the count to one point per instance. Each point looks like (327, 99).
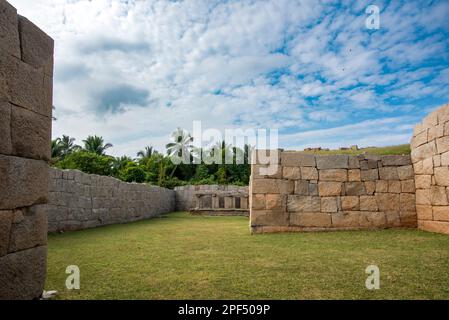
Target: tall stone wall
(186, 196)
(340, 192)
(430, 155)
(79, 201)
(26, 72)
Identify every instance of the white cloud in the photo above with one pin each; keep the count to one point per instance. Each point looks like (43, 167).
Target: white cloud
(292, 65)
(382, 132)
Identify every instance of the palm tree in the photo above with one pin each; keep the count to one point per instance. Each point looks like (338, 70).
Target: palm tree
(123, 161)
(96, 145)
(146, 153)
(249, 149)
(180, 149)
(197, 154)
(239, 155)
(68, 145)
(56, 151)
(225, 152)
(161, 172)
(120, 163)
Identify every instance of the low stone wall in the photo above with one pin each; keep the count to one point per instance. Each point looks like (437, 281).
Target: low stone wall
(316, 192)
(26, 71)
(187, 197)
(78, 201)
(430, 155)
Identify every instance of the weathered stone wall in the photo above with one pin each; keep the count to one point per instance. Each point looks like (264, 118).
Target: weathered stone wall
(340, 192)
(26, 71)
(79, 201)
(430, 156)
(186, 196)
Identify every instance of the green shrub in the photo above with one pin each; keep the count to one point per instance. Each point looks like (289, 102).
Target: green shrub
(87, 162)
(133, 173)
(173, 182)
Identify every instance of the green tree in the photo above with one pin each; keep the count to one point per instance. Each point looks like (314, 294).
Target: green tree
(67, 145)
(133, 173)
(56, 151)
(96, 145)
(226, 152)
(119, 164)
(202, 172)
(154, 167)
(222, 177)
(145, 155)
(202, 175)
(87, 162)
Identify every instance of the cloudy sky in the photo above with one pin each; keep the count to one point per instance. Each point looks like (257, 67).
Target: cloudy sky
(134, 70)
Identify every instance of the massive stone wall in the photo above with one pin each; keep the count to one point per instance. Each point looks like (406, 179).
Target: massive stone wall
(26, 71)
(79, 201)
(430, 155)
(187, 196)
(338, 192)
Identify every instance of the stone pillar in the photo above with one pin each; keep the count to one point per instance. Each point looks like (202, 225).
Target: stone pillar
(26, 77)
(430, 156)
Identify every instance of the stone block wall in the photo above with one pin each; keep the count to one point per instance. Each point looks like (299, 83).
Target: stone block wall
(336, 192)
(79, 201)
(26, 77)
(430, 156)
(187, 196)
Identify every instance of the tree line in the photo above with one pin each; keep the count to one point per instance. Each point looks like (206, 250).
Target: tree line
(152, 166)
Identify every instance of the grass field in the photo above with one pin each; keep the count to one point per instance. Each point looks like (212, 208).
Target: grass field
(180, 256)
(391, 150)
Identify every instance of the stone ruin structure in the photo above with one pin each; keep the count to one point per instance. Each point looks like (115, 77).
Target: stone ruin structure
(26, 79)
(222, 202)
(307, 193)
(80, 201)
(430, 157)
(213, 199)
(340, 192)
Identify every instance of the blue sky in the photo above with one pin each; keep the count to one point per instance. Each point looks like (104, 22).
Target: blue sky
(133, 71)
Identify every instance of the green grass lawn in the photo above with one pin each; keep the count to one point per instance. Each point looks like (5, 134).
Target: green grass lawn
(180, 256)
(390, 150)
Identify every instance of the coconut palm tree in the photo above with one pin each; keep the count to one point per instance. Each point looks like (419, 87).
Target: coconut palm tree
(56, 151)
(67, 145)
(225, 151)
(121, 162)
(146, 153)
(196, 154)
(249, 149)
(180, 148)
(96, 145)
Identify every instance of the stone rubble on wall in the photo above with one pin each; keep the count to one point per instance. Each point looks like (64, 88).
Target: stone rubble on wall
(430, 156)
(26, 77)
(186, 196)
(322, 192)
(78, 201)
